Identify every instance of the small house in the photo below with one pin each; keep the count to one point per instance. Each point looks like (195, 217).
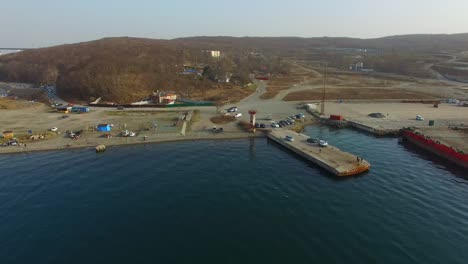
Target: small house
(213, 53)
(8, 134)
(164, 98)
(104, 127)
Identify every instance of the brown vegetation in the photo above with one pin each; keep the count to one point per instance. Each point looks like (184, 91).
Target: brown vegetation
(127, 69)
(298, 127)
(356, 94)
(11, 104)
(222, 119)
(223, 93)
(295, 75)
(432, 43)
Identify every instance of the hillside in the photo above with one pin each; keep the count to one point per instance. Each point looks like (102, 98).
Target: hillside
(125, 70)
(119, 69)
(128, 69)
(403, 43)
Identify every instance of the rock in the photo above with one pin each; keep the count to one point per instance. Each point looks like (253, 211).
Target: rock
(100, 148)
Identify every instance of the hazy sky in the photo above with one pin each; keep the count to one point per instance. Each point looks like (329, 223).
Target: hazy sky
(39, 23)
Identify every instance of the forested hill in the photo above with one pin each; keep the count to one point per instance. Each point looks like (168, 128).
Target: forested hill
(115, 68)
(400, 43)
(127, 69)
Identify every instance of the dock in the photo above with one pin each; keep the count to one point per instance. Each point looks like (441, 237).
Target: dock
(330, 158)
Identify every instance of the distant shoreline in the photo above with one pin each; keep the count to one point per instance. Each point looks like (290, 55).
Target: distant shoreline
(50, 147)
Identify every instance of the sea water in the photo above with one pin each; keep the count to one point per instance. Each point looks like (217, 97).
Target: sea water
(232, 201)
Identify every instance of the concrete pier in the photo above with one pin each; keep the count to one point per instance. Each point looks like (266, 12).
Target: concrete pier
(330, 158)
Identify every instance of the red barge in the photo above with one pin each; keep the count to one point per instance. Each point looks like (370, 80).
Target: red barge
(437, 148)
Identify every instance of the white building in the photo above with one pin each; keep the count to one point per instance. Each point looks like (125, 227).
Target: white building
(215, 53)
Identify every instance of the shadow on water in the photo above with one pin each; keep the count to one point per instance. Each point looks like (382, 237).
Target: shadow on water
(332, 129)
(252, 149)
(436, 160)
(310, 164)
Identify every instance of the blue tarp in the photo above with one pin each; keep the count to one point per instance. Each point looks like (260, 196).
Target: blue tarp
(104, 128)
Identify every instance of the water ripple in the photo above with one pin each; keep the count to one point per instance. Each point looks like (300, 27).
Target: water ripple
(243, 200)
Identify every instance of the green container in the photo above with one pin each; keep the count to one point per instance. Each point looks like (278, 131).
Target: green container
(431, 122)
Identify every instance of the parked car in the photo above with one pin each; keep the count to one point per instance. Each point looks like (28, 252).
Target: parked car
(301, 115)
(274, 125)
(233, 109)
(289, 138)
(53, 129)
(237, 115)
(323, 143)
(262, 126)
(419, 118)
(312, 140)
(120, 107)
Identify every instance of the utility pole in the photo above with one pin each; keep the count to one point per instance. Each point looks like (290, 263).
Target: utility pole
(322, 105)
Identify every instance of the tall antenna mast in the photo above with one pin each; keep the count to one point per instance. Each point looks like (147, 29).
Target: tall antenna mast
(322, 105)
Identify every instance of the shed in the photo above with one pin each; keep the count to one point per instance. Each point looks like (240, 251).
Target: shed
(336, 117)
(164, 98)
(80, 109)
(104, 127)
(8, 134)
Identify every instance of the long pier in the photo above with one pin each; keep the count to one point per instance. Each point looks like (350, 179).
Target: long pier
(330, 158)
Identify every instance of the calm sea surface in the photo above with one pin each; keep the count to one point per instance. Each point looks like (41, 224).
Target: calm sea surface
(235, 201)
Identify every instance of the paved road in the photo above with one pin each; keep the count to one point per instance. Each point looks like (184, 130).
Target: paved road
(51, 92)
(274, 108)
(439, 76)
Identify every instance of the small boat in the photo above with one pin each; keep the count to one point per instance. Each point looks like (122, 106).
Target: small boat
(323, 143)
(289, 138)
